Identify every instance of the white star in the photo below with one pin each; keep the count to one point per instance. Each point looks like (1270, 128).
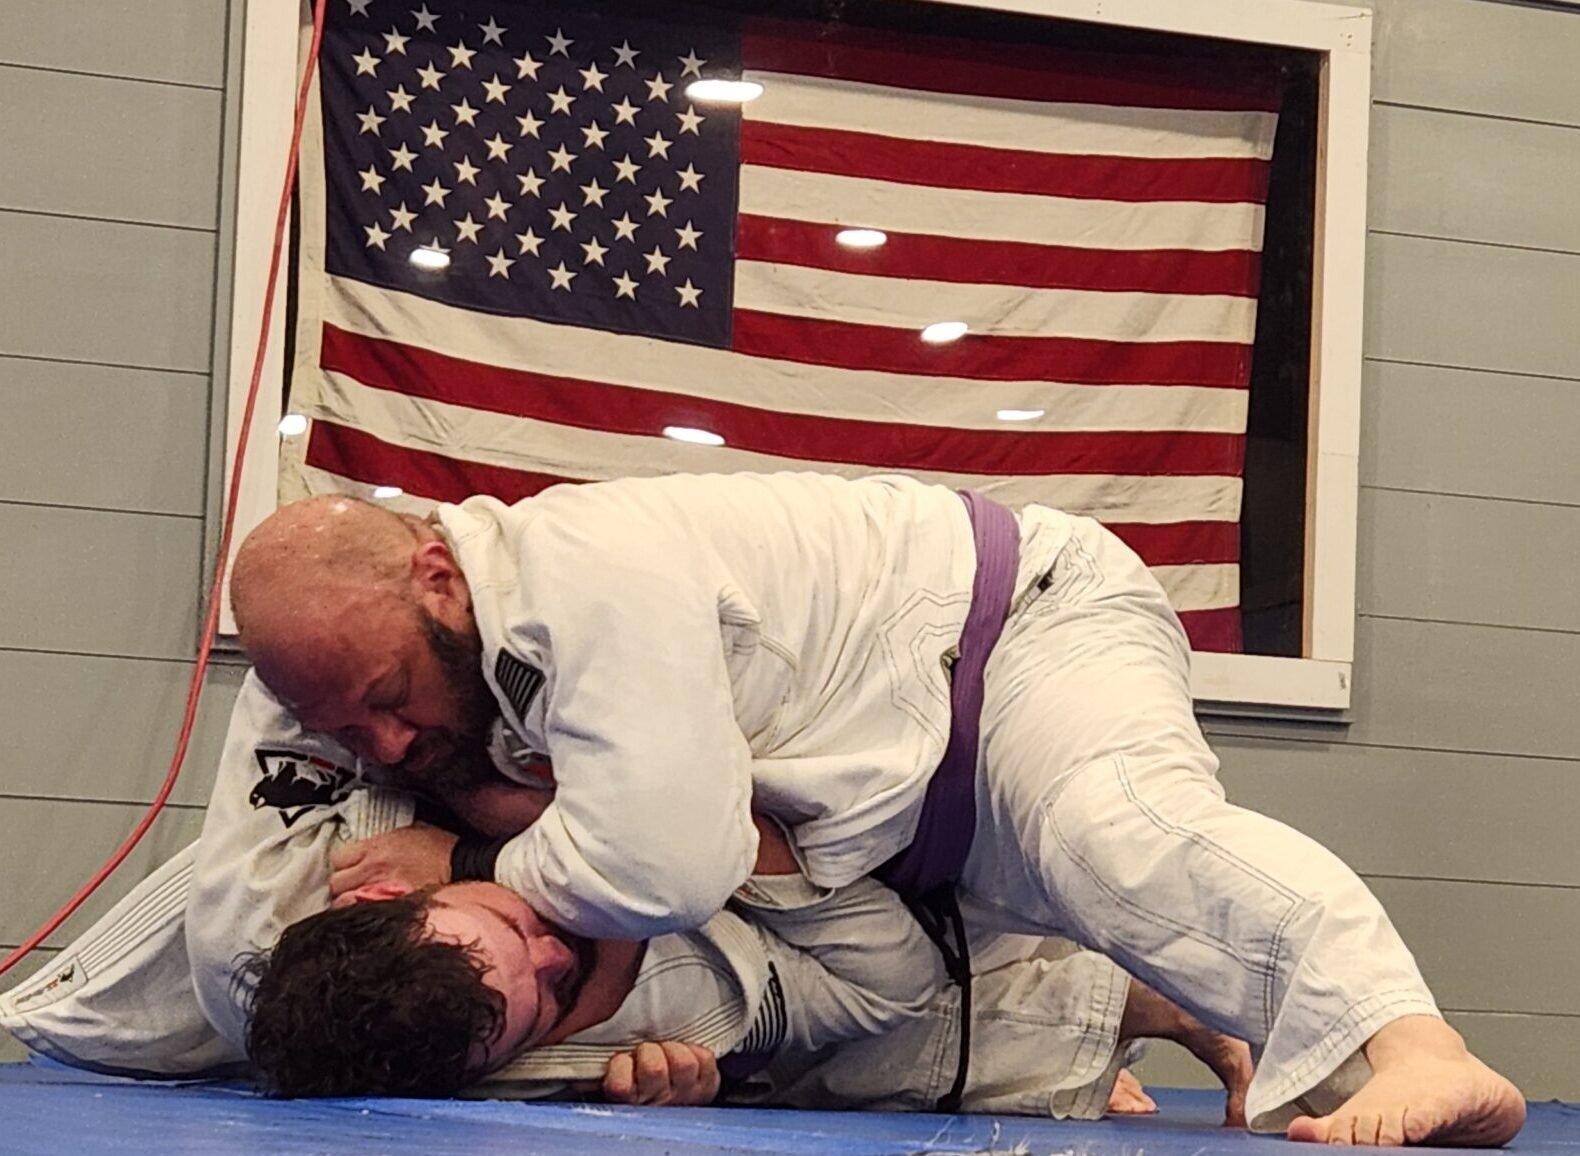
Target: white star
(359, 7)
(624, 228)
(395, 42)
(625, 54)
(658, 146)
(529, 124)
(593, 135)
(433, 136)
(426, 21)
(499, 265)
(562, 158)
(461, 55)
(657, 262)
(592, 78)
(371, 181)
(688, 294)
(497, 207)
(688, 237)
(466, 172)
(402, 157)
(691, 64)
(561, 100)
(559, 44)
(496, 90)
(468, 229)
(625, 112)
(492, 33)
(530, 183)
(498, 147)
(430, 76)
(376, 236)
(465, 113)
(562, 217)
(436, 193)
(594, 252)
(367, 64)
(400, 99)
(370, 120)
(403, 217)
(527, 67)
(625, 287)
(530, 242)
(690, 179)
(658, 88)
(626, 169)
(593, 194)
(690, 119)
(658, 203)
(562, 277)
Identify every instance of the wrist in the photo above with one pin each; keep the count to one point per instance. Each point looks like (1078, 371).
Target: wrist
(473, 859)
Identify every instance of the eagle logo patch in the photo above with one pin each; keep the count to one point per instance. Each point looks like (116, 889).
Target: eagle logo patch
(293, 784)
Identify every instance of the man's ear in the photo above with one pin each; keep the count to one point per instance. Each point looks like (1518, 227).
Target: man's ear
(374, 892)
(440, 584)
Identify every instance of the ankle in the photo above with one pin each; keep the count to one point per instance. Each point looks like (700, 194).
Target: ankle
(1411, 1038)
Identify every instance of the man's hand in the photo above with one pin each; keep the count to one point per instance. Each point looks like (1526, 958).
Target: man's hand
(774, 856)
(416, 856)
(668, 1073)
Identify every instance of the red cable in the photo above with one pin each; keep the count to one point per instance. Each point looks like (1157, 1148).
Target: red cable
(211, 622)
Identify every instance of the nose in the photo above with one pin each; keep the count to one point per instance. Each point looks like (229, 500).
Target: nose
(390, 738)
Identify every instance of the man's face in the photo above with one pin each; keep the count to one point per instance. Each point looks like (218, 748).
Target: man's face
(536, 968)
(397, 687)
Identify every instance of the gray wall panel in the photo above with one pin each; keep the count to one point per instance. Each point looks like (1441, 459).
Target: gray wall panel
(121, 149)
(1489, 58)
(1474, 178)
(94, 291)
(1488, 946)
(1475, 306)
(1397, 811)
(175, 40)
(99, 583)
(49, 848)
(104, 729)
(1474, 560)
(91, 435)
(1461, 431)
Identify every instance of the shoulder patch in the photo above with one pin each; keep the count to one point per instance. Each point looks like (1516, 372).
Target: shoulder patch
(520, 681)
(294, 783)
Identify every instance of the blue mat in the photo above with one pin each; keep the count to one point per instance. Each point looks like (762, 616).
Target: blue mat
(51, 1110)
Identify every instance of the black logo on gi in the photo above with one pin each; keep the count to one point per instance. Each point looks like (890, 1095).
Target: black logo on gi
(520, 681)
(294, 783)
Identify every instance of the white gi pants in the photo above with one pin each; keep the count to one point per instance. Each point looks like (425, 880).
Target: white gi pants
(1099, 817)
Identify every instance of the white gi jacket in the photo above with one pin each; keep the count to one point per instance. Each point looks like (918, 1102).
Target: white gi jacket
(683, 646)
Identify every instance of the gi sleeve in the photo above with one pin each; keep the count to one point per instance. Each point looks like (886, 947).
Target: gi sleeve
(650, 829)
(282, 799)
(852, 961)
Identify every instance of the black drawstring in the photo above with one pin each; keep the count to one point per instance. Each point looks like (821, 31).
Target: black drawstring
(938, 912)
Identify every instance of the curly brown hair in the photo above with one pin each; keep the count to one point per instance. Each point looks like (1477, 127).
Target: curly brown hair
(363, 1001)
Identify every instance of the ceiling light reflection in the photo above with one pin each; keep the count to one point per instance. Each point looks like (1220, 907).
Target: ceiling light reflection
(716, 90)
(430, 257)
(292, 425)
(861, 238)
(387, 491)
(696, 437)
(1020, 414)
(942, 332)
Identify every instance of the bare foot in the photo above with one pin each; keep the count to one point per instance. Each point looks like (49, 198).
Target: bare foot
(1150, 1015)
(1129, 1098)
(1426, 1088)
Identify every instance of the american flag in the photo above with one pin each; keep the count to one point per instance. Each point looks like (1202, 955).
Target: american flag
(527, 253)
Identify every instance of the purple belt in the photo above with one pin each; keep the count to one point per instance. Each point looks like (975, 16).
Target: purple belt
(937, 854)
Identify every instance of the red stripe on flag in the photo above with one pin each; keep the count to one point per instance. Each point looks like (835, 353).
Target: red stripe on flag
(1180, 543)
(360, 456)
(1077, 361)
(1219, 180)
(923, 257)
(1214, 630)
(634, 410)
(1243, 82)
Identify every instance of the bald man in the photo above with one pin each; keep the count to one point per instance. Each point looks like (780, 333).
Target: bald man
(925, 685)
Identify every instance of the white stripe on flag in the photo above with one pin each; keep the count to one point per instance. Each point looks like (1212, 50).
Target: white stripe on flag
(779, 386)
(1019, 217)
(566, 451)
(998, 310)
(1202, 586)
(999, 122)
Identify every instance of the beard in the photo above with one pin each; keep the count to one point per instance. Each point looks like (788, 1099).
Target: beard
(454, 758)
